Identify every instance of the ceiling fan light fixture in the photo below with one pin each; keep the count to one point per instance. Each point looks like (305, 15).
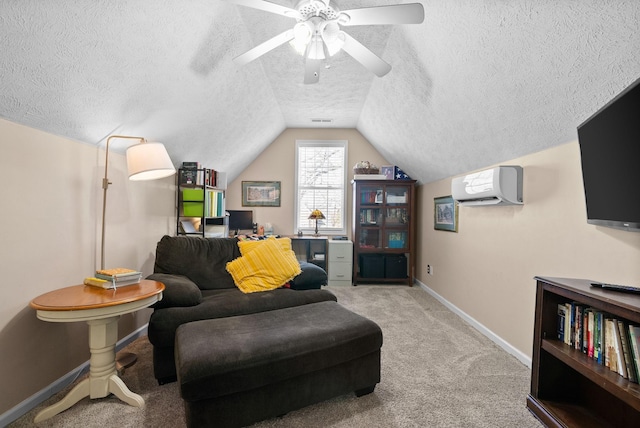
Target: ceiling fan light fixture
(302, 33)
(333, 38)
(336, 45)
(315, 50)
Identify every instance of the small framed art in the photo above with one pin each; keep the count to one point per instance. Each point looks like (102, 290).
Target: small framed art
(387, 171)
(445, 213)
(260, 193)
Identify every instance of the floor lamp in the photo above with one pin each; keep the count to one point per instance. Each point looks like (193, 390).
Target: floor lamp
(145, 161)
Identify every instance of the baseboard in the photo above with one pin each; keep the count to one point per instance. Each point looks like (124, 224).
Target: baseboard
(524, 359)
(44, 394)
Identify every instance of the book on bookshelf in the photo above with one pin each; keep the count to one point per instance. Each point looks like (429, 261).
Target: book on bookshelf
(578, 319)
(617, 344)
(634, 344)
(590, 332)
(598, 337)
(562, 318)
(628, 362)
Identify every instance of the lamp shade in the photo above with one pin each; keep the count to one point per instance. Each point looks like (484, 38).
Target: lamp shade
(149, 161)
(316, 215)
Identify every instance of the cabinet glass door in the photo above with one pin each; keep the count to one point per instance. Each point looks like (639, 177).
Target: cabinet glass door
(369, 238)
(395, 239)
(397, 195)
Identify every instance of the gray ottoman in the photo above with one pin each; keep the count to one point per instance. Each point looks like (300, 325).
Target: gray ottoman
(238, 370)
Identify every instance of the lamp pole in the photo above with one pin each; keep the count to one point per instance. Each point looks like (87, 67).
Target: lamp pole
(105, 186)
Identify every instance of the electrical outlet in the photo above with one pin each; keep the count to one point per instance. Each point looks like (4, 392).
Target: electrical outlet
(429, 270)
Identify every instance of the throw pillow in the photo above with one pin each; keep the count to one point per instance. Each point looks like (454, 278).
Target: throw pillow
(247, 246)
(312, 276)
(266, 267)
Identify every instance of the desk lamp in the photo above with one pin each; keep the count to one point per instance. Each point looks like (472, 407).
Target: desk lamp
(316, 215)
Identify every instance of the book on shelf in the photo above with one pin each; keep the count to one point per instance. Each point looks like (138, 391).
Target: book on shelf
(609, 352)
(617, 344)
(562, 318)
(628, 362)
(598, 337)
(590, 332)
(634, 344)
(578, 319)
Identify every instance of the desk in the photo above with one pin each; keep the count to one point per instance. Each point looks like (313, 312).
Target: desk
(101, 309)
(311, 249)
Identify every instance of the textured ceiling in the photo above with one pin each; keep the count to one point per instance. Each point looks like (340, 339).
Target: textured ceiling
(479, 82)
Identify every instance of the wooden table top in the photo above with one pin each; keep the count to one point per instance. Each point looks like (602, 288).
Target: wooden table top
(82, 297)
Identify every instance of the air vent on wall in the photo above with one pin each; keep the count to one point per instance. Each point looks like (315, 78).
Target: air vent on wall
(321, 120)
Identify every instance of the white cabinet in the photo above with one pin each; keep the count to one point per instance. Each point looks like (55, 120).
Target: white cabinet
(340, 266)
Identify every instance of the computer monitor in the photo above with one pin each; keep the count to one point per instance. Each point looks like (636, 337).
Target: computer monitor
(240, 220)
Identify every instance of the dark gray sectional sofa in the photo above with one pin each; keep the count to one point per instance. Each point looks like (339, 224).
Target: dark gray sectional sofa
(198, 287)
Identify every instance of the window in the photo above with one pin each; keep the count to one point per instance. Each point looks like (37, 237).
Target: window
(321, 184)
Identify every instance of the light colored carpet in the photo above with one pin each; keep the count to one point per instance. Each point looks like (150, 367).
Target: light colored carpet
(437, 371)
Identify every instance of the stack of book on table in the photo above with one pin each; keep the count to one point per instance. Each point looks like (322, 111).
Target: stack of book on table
(114, 278)
(611, 342)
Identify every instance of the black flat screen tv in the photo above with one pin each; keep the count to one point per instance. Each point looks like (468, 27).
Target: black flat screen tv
(610, 155)
(240, 220)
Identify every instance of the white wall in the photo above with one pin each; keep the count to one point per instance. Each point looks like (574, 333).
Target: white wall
(487, 268)
(51, 208)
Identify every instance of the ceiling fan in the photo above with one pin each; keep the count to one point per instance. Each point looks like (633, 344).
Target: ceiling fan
(317, 34)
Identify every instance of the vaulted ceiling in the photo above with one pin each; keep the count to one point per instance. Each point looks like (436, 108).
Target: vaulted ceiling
(479, 82)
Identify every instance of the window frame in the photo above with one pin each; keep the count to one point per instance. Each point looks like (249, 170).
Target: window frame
(342, 230)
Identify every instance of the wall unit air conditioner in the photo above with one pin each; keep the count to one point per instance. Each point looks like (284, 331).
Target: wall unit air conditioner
(501, 185)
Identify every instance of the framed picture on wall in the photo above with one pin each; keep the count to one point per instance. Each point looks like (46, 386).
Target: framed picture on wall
(260, 193)
(445, 214)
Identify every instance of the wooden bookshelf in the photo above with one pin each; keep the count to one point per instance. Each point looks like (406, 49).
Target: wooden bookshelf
(569, 389)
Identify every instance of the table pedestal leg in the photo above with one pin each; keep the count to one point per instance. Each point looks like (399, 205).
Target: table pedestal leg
(103, 378)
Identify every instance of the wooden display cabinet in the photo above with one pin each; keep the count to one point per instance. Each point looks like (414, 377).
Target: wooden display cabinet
(383, 230)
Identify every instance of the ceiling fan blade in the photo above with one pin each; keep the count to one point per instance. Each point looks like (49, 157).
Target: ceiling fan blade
(312, 71)
(364, 56)
(412, 13)
(263, 48)
(268, 7)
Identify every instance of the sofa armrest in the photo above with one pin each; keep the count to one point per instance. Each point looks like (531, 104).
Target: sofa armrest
(179, 291)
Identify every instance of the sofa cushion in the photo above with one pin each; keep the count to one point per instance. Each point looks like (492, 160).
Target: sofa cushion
(227, 303)
(312, 276)
(178, 291)
(202, 260)
(266, 267)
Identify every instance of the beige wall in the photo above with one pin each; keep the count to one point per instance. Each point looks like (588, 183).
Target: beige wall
(487, 268)
(277, 163)
(51, 206)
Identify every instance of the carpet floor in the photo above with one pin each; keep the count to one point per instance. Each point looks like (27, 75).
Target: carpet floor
(437, 371)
